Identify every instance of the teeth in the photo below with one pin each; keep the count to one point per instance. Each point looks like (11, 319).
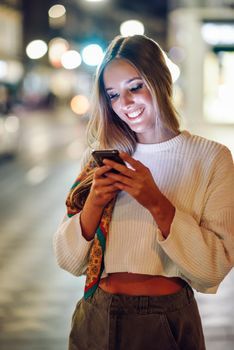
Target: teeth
(135, 113)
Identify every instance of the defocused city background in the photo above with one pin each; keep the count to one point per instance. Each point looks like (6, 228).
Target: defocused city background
(49, 52)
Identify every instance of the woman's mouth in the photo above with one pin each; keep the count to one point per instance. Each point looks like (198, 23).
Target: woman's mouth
(135, 114)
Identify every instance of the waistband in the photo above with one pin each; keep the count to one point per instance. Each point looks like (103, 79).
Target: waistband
(143, 304)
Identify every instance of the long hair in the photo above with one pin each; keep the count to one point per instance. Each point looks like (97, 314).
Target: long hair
(105, 128)
(149, 60)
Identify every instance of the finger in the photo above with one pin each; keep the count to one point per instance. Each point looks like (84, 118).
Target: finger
(136, 164)
(110, 190)
(101, 171)
(126, 188)
(104, 181)
(118, 178)
(119, 167)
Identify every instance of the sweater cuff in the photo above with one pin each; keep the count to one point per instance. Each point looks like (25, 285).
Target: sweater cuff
(175, 226)
(71, 234)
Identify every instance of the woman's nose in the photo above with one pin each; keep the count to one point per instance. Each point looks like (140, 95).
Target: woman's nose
(126, 100)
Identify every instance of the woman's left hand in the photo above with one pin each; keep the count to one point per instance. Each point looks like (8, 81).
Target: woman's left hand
(138, 182)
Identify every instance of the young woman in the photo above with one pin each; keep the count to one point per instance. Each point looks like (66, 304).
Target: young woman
(167, 216)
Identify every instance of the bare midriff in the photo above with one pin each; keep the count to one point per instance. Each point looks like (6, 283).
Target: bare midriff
(139, 284)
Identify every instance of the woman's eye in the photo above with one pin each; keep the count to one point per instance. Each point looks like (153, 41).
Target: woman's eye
(112, 96)
(136, 87)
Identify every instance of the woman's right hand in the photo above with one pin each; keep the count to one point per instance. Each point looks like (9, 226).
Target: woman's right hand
(103, 189)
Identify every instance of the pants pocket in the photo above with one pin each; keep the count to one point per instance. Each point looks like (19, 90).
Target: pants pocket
(168, 330)
(89, 327)
(185, 327)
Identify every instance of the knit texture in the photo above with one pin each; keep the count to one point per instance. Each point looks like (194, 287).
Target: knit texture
(197, 176)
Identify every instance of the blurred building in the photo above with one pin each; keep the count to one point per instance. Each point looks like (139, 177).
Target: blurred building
(201, 42)
(196, 34)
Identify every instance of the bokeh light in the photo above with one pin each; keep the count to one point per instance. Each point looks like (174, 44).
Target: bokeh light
(36, 49)
(132, 27)
(177, 54)
(62, 83)
(57, 47)
(57, 11)
(92, 55)
(71, 59)
(80, 104)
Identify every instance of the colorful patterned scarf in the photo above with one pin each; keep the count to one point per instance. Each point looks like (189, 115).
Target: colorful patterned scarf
(96, 257)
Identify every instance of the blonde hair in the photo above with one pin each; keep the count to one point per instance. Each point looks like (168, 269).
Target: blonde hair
(148, 58)
(105, 128)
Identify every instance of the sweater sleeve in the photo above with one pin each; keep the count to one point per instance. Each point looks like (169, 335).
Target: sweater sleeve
(70, 247)
(204, 251)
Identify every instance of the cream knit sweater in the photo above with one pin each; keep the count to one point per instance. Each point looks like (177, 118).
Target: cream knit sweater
(197, 176)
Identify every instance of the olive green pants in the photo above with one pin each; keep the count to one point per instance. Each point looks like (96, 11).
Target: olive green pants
(121, 322)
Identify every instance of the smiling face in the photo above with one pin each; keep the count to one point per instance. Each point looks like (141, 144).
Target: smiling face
(130, 99)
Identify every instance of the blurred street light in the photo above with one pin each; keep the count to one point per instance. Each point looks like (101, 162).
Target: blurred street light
(92, 54)
(36, 49)
(62, 83)
(57, 16)
(132, 27)
(57, 11)
(57, 47)
(80, 104)
(71, 59)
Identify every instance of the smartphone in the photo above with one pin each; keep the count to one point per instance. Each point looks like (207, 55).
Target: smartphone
(112, 154)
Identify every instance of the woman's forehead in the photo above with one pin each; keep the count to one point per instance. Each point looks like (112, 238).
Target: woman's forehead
(119, 69)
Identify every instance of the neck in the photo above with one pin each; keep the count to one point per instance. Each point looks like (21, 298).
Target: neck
(157, 136)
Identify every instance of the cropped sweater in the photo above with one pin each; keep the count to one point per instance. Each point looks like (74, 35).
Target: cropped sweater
(197, 176)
